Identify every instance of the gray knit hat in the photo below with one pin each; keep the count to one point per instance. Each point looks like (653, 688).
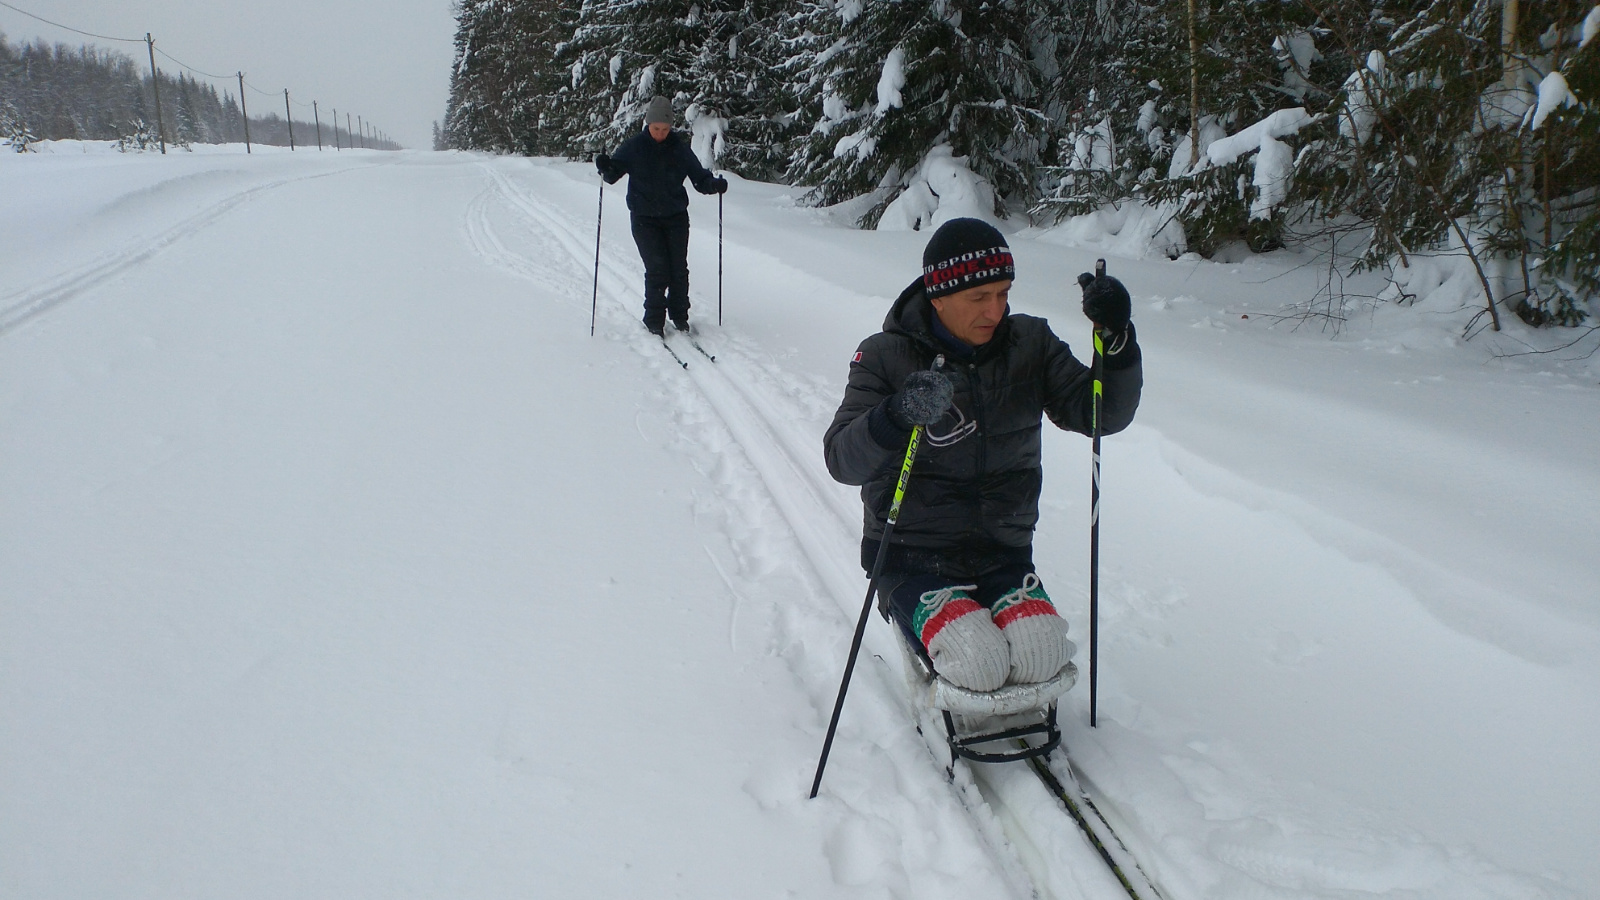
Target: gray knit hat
(659, 110)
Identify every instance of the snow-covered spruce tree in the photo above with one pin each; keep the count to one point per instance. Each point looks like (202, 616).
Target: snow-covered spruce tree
(482, 78)
(737, 103)
(1432, 145)
(1568, 174)
(1133, 120)
(141, 136)
(539, 84)
(718, 60)
(623, 53)
(904, 78)
(14, 131)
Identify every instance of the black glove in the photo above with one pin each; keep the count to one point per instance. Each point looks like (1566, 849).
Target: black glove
(602, 164)
(1106, 303)
(922, 400)
(719, 185)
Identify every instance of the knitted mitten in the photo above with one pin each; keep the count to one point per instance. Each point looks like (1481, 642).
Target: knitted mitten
(1036, 632)
(967, 649)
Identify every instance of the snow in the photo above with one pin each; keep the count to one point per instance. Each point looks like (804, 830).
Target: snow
(1360, 113)
(708, 134)
(891, 80)
(337, 559)
(1553, 94)
(1094, 148)
(942, 188)
(1281, 123)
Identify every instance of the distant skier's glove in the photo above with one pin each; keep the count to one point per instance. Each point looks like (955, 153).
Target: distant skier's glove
(719, 185)
(922, 400)
(1106, 303)
(602, 164)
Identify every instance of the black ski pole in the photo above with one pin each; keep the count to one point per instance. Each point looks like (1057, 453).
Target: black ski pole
(594, 303)
(872, 588)
(1095, 370)
(719, 260)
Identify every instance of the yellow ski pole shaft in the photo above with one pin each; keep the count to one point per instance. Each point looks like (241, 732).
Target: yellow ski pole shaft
(866, 605)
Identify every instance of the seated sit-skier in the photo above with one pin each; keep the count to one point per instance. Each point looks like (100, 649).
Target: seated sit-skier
(959, 575)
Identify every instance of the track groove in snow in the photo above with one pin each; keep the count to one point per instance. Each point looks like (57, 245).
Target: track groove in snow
(1041, 845)
(21, 306)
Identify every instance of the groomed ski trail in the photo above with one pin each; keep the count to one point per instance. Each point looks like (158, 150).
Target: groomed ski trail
(1033, 841)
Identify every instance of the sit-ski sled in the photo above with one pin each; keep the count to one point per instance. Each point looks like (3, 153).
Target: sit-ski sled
(1015, 722)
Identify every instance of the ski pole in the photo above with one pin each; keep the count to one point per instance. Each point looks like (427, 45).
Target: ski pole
(1095, 370)
(719, 260)
(872, 588)
(594, 303)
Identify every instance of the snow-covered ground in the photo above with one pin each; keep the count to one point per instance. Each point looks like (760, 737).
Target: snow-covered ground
(338, 560)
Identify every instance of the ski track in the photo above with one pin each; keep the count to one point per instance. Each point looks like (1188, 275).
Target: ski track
(1032, 842)
(27, 304)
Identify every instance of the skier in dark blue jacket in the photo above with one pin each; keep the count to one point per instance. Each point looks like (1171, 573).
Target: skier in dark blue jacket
(656, 161)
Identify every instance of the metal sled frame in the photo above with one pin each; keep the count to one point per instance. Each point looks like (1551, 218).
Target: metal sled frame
(1008, 702)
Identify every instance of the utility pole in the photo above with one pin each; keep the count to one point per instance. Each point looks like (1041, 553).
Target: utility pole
(336, 130)
(363, 129)
(246, 113)
(349, 132)
(318, 117)
(155, 84)
(288, 117)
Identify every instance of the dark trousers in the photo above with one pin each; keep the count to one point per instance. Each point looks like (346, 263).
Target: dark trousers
(664, 246)
(911, 572)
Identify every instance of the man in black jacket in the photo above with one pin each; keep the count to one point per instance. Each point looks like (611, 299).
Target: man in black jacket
(656, 161)
(959, 576)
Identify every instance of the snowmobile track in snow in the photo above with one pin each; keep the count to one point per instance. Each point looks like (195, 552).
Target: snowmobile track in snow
(786, 464)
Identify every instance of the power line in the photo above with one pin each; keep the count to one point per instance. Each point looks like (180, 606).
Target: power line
(103, 37)
(180, 63)
(186, 66)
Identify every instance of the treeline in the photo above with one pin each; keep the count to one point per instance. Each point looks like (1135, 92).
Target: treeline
(60, 92)
(1390, 128)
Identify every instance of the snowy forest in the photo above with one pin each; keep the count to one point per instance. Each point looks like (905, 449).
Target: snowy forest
(1385, 131)
(60, 92)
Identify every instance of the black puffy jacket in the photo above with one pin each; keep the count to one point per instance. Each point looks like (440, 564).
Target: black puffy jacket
(977, 477)
(656, 170)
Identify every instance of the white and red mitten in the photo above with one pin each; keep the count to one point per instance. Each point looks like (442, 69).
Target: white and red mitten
(967, 649)
(1036, 632)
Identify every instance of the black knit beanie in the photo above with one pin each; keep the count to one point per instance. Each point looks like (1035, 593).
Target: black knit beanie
(965, 253)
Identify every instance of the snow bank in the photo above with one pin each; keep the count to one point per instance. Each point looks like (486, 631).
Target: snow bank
(942, 188)
(1132, 230)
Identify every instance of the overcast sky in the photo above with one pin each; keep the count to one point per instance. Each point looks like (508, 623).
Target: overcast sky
(388, 60)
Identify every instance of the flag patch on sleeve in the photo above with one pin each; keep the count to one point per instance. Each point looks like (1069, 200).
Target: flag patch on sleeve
(857, 357)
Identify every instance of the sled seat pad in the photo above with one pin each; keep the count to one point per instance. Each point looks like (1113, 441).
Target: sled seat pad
(1013, 698)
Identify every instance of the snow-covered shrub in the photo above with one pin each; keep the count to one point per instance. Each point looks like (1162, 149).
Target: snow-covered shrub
(138, 139)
